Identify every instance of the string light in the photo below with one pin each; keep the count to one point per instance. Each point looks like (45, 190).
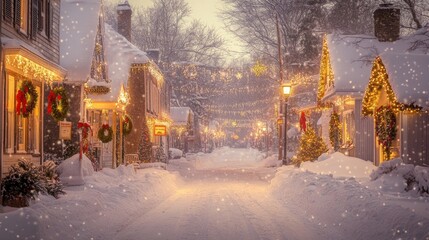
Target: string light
(31, 69)
(326, 74)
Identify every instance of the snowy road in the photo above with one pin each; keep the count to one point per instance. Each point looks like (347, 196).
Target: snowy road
(223, 209)
(225, 197)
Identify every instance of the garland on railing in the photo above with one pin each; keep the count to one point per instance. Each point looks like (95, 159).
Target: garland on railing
(385, 128)
(86, 128)
(26, 99)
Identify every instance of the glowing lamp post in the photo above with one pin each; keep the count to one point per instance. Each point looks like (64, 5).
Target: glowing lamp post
(286, 90)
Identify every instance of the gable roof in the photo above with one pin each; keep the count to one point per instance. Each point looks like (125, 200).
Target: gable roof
(404, 78)
(78, 29)
(120, 54)
(350, 58)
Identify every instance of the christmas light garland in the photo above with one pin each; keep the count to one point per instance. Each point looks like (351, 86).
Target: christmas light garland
(385, 128)
(326, 73)
(335, 136)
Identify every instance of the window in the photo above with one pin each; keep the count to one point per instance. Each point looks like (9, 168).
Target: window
(23, 16)
(22, 135)
(41, 16)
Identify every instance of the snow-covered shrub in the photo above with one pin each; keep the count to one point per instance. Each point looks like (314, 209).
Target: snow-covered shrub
(51, 179)
(160, 155)
(416, 177)
(385, 168)
(422, 179)
(175, 153)
(22, 184)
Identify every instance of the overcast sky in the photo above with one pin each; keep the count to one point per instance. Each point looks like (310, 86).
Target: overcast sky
(207, 11)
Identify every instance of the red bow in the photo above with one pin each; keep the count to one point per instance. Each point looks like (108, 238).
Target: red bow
(21, 104)
(105, 126)
(51, 99)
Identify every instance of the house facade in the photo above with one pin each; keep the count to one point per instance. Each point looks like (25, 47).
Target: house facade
(182, 133)
(345, 70)
(399, 84)
(30, 68)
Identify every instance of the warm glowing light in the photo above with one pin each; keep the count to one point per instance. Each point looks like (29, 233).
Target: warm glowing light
(286, 89)
(30, 69)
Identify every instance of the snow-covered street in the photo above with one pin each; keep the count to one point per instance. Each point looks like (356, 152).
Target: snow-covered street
(227, 194)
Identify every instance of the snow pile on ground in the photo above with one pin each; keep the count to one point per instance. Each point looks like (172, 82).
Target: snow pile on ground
(340, 165)
(153, 165)
(345, 209)
(110, 198)
(394, 176)
(72, 171)
(176, 153)
(272, 161)
(228, 158)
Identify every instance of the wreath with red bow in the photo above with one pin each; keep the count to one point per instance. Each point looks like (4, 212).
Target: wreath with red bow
(58, 104)
(105, 133)
(26, 99)
(385, 128)
(127, 125)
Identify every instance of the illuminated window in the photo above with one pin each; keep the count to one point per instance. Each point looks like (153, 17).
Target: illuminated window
(22, 135)
(23, 23)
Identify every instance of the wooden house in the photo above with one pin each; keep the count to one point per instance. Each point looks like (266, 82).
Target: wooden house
(345, 70)
(399, 82)
(29, 67)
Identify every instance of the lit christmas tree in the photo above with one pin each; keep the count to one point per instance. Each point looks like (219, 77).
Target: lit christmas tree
(311, 147)
(145, 145)
(335, 131)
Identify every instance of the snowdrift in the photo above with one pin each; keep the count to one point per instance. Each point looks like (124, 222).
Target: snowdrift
(72, 171)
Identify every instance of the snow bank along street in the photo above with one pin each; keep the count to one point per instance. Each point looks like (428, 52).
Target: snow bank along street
(228, 194)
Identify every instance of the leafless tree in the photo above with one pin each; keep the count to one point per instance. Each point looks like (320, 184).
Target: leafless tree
(165, 26)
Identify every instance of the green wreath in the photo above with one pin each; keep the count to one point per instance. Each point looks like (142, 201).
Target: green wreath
(58, 103)
(26, 98)
(105, 133)
(127, 125)
(385, 128)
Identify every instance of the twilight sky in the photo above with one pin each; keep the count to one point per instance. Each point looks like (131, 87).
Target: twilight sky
(206, 11)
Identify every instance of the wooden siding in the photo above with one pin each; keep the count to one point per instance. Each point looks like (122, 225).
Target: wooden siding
(50, 48)
(415, 139)
(364, 134)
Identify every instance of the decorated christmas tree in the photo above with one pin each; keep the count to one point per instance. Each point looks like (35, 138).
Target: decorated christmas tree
(311, 147)
(335, 131)
(145, 145)
(160, 155)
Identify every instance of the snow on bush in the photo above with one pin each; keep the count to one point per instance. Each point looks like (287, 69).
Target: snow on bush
(72, 171)
(340, 165)
(176, 153)
(394, 175)
(272, 161)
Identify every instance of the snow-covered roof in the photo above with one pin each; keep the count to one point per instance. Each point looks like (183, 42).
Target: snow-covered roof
(120, 54)
(408, 75)
(78, 29)
(351, 57)
(179, 115)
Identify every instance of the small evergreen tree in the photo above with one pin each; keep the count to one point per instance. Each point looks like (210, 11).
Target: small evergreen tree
(311, 147)
(160, 155)
(335, 131)
(145, 145)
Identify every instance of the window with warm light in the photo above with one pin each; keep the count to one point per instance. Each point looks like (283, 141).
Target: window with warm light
(22, 135)
(23, 24)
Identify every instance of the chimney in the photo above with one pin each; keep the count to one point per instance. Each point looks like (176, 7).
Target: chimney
(124, 19)
(387, 22)
(154, 55)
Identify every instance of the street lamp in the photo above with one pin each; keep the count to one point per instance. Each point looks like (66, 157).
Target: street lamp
(286, 90)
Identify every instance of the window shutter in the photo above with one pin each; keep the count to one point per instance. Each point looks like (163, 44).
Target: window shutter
(17, 11)
(34, 18)
(8, 10)
(48, 14)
